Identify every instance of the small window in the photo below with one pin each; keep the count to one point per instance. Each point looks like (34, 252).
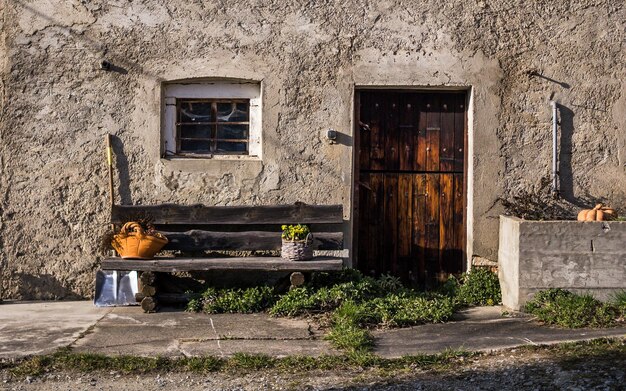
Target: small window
(212, 119)
(211, 126)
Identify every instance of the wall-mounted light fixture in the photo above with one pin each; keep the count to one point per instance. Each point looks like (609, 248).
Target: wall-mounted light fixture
(108, 66)
(331, 135)
(105, 65)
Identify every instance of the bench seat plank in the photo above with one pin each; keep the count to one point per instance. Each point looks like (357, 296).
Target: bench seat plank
(202, 214)
(235, 263)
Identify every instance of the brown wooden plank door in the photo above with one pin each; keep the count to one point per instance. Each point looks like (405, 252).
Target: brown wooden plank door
(410, 183)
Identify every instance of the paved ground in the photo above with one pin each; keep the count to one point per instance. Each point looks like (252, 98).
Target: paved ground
(480, 329)
(130, 331)
(37, 328)
(42, 327)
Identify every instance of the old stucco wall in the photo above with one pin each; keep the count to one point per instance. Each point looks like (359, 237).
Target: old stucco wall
(58, 106)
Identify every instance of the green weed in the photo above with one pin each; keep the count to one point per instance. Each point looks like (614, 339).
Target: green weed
(619, 300)
(66, 360)
(479, 287)
(251, 361)
(567, 309)
(248, 300)
(347, 330)
(350, 337)
(326, 298)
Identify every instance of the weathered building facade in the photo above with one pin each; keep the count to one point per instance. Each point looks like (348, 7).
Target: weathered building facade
(307, 64)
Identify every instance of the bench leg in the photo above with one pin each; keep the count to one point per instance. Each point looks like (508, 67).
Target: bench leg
(147, 291)
(296, 279)
(149, 304)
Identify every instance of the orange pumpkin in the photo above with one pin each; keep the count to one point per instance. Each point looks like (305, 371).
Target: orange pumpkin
(599, 213)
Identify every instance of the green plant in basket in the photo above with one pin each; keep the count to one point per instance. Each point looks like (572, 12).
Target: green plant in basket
(296, 243)
(295, 232)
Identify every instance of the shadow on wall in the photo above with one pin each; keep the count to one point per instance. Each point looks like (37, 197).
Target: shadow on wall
(122, 170)
(41, 286)
(566, 171)
(540, 203)
(343, 139)
(566, 174)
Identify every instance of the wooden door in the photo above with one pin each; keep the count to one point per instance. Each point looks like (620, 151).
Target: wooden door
(410, 184)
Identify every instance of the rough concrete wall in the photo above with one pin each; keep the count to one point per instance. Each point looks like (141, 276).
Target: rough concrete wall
(309, 56)
(584, 257)
(3, 66)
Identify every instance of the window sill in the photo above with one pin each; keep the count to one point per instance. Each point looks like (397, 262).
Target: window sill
(212, 158)
(217, 163)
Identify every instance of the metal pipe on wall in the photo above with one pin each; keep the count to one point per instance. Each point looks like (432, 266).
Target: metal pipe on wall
(555, 173)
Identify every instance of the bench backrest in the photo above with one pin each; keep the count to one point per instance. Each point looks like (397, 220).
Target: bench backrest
(195, 228)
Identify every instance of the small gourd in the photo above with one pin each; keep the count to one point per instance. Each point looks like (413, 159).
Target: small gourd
(599, 213)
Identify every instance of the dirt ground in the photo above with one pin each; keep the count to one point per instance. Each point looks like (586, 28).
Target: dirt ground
(517, 369)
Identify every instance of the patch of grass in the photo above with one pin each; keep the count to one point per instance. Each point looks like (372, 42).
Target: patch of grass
(248, 300)
(619, 300)
(347, 330)
(564, 308)
(34, 366)
(315, 298)
(66, 360)
(401, 310)
(202, 364)
(309, 363)
(295, 302)
(350, 337)
(479, 287)
(583, 351)
(254, 362)
(352, 319)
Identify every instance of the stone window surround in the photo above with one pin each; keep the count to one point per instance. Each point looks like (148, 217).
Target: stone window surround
(213, 89)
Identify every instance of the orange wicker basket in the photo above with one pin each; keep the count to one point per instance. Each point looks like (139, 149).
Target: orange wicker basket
(133, 243)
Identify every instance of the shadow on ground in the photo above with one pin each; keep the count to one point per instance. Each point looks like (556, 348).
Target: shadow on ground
(521, 370)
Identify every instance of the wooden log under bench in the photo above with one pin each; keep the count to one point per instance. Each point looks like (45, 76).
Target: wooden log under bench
(235, 263)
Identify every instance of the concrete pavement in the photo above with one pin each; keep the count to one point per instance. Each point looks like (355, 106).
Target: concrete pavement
(43, 327)
(176, 333)
(480, 329)
(29, 328)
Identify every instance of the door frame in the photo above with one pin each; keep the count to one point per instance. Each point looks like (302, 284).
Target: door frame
(356, 174)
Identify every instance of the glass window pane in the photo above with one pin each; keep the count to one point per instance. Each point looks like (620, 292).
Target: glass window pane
(223, 147)
(194, 111)
(195, 131)
(232, 132)
(194, 146)
(232, 112)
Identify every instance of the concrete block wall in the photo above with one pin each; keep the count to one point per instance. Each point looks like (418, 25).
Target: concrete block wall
(584, 257)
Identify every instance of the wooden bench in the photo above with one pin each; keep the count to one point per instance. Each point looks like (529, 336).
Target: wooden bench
(192, 230)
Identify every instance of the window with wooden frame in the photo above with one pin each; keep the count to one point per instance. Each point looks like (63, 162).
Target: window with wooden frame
(215, 119)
